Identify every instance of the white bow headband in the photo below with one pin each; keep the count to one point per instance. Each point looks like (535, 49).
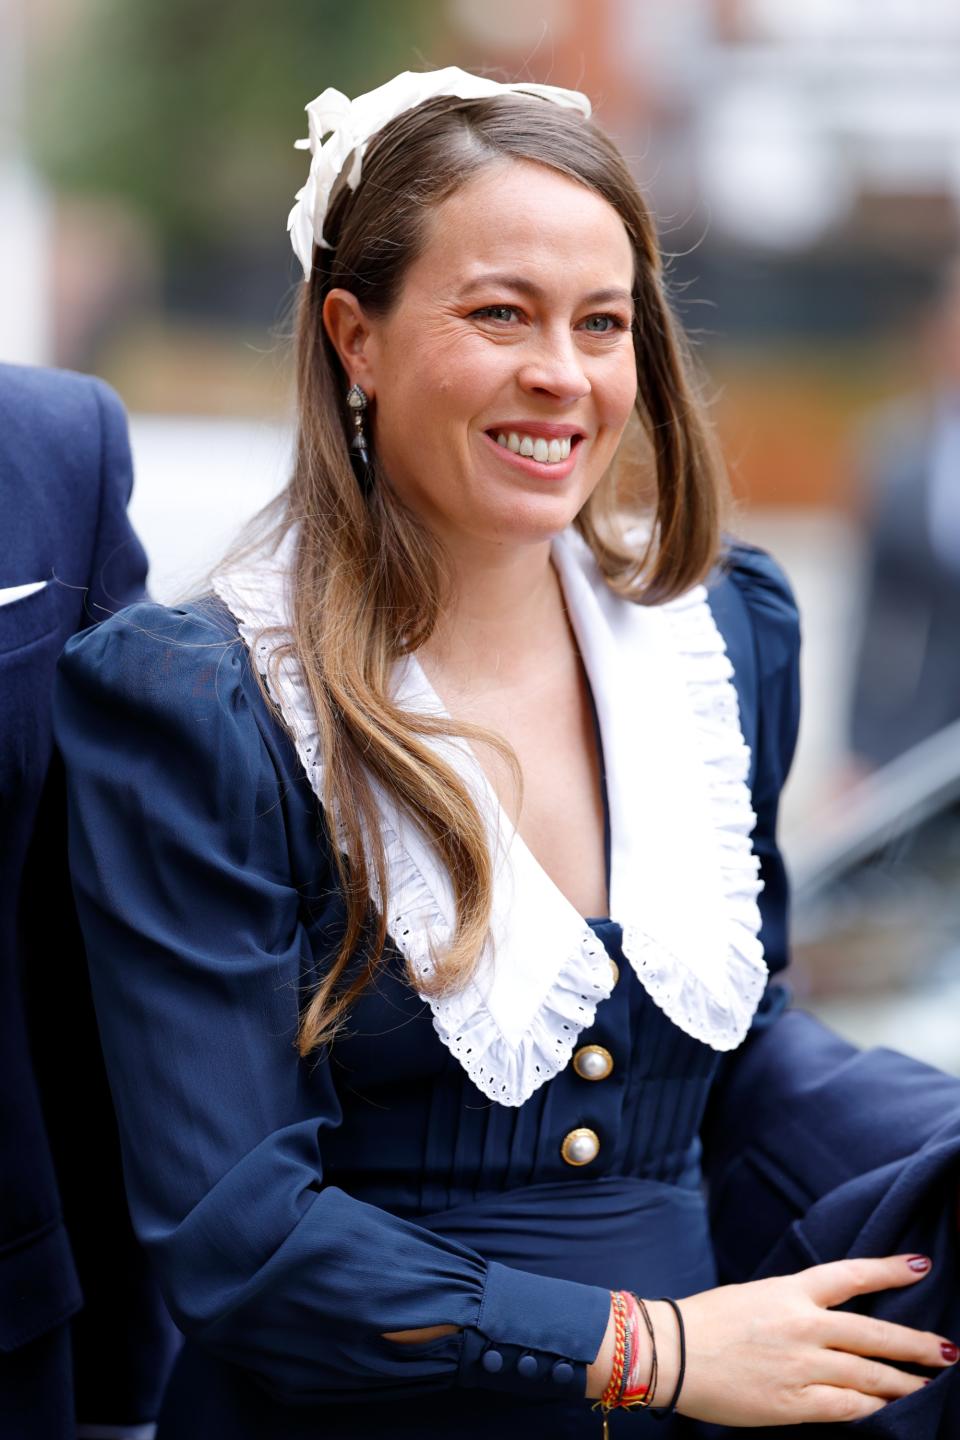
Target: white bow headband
(350, 125)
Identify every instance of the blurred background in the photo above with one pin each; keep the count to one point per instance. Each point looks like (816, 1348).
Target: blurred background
(803, 163)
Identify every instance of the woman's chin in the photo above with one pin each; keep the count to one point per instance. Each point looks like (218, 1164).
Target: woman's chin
(495, 513)
(535, 519)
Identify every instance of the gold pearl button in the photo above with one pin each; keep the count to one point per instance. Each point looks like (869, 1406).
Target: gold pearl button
(615, 968)
(592, 1062)
(580, 1147)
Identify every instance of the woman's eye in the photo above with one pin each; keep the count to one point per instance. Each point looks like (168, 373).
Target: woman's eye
(505, 313)
(603, 324)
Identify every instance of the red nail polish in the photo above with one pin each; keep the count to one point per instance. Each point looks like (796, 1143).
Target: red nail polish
(950, 1352)
(919, 1263)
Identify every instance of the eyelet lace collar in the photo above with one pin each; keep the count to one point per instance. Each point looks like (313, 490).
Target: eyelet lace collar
(684, 879)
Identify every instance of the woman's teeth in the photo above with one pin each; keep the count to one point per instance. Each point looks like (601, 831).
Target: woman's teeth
(548, 452)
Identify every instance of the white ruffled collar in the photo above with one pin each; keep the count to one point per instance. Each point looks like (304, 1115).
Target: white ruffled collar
(683, 877)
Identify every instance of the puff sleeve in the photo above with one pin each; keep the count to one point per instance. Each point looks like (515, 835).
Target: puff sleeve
(757, 614)
(814, 1150)
(198, 951)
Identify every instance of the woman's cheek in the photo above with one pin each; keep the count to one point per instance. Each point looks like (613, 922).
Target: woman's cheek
(626, 392)
(621, 405)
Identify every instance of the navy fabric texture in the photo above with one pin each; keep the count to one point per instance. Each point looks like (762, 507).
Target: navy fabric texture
(296, 1209)
(36, 1388)
(817, 1151)
(65, 1233)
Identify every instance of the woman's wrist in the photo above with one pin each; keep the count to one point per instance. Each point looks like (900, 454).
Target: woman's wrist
(598, 1371)
(668, 1352)
(666, 1336)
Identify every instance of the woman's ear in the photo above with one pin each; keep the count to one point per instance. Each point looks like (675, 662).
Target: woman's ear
(349, 332)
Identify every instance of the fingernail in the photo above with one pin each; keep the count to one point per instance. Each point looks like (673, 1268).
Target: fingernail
(919, 1263)
(950, 1352)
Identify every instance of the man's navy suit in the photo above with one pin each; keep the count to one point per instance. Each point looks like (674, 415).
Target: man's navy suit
(67, 1252)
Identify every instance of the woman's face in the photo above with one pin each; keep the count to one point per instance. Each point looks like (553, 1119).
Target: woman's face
(505, 373)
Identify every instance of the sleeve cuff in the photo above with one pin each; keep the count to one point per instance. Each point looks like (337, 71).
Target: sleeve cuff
(534, 1335)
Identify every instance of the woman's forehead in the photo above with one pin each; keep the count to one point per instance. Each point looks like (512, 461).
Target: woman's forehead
(528, 221)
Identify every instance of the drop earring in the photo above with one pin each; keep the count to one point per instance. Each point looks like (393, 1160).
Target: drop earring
(357, 403)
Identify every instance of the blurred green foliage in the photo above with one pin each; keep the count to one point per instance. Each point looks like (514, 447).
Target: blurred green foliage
(188, 109)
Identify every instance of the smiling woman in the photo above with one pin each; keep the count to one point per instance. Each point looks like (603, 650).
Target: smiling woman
(428, 866)
(497, 323)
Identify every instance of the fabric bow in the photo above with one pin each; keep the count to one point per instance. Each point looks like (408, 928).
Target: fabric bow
(341, 129)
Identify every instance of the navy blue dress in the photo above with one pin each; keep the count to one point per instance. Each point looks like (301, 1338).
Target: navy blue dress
(296, 1209)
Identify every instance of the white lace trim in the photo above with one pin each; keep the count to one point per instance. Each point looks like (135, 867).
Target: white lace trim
(505, 1070)
(684, 879)
(718, 1014)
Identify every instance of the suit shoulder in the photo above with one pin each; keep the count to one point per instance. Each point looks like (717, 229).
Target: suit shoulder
(28, 391)
(56, 428)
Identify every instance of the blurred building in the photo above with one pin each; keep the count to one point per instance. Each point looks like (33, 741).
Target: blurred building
(786, 125)
(803, 162)
(26, 208)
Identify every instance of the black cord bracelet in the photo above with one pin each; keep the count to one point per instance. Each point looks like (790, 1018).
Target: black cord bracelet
(652, 1382)
(663, 1411)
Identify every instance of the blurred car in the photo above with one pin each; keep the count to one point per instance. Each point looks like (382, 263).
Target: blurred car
(876, 907)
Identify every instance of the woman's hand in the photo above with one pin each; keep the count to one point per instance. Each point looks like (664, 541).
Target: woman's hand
(776, 1352)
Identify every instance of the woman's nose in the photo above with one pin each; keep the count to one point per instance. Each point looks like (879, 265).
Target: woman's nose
(553, 366)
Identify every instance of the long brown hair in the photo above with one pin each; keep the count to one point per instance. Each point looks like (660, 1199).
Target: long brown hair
(370, 579)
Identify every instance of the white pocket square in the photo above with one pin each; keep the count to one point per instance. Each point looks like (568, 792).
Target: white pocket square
(20, 592)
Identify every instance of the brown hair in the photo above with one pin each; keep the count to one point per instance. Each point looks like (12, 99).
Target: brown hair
(370, 579)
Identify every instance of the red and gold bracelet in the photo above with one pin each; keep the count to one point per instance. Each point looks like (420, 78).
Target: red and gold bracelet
(624, 1390)
(637, 1394)
(611, 1395)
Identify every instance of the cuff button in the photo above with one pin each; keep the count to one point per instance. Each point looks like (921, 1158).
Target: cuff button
(527, 1367)
(562, 1372)
(492, 1361)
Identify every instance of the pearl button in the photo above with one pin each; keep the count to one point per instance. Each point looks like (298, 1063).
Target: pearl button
(615, 968)
(527, 1367)
(580, 1147)
(562, 1372)
(492, 1361)
(592, 1062)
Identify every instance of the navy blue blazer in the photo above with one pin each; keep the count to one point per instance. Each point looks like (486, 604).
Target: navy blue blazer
(65, 1236)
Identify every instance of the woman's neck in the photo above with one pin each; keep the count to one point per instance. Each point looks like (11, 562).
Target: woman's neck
(504, 609)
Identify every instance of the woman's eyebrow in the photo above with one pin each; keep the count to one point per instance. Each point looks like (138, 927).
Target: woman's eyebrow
(606, 296)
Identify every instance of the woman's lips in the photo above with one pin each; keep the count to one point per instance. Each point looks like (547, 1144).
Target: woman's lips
(547, 429)
(527, 465)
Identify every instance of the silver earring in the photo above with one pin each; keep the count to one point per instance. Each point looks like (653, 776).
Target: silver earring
(357, 402)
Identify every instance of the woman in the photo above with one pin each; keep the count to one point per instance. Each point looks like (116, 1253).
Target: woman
(420, 917)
